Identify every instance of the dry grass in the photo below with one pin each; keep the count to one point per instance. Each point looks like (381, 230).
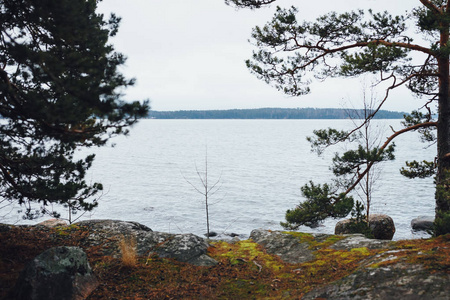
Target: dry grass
(127, 247)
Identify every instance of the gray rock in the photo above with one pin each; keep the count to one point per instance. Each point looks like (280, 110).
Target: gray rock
(381, 226)
(59, 273)
(285, 245)
(353, 241)
(422, 223)
(291, 249)
(183, 247)
(114, 226)
(53, 223)
(400, 280)
(187, 248)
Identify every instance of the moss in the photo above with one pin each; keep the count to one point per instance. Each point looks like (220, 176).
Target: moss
(245, 252)
(363, 251)
(300, 235)
(244, 289)
(314, 244)
(66, 230)
(331, 240)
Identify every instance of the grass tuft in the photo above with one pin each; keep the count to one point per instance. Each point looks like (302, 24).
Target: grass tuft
(127, 247)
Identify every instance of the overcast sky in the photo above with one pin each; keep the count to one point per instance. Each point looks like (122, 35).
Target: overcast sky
(190, 55)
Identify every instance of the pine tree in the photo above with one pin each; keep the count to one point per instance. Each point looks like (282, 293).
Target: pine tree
(292, 53)
(59, 91)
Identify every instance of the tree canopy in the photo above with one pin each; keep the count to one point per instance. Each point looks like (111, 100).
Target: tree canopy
(291, 53)
(60, 89)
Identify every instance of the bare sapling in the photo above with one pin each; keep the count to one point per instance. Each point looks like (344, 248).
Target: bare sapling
(207, 190)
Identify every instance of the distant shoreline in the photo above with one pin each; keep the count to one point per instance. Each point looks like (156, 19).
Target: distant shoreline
(275, 114)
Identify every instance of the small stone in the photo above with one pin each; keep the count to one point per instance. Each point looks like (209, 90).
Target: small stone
(211, 234)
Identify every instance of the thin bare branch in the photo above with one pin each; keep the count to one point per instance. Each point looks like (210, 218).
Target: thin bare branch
(386, 143)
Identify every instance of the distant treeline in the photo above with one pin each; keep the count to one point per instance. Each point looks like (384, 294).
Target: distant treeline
(273, 113)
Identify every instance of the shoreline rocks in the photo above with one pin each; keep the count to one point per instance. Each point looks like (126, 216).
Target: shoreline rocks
(381, 226)
(380, 269)
(187, 248)
(422, 223)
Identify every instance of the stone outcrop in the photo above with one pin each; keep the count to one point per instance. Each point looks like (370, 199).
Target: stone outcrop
(381, 226)
(187, 248)
(386, 275)
(285, 245)
(401, 280)
(294, 248)
(61, 273)
(422, 223)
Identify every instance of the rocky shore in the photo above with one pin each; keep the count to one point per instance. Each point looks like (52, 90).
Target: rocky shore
(270, 264)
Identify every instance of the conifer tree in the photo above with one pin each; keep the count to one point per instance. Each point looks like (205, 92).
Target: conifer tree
(60, 90)
(291, 53)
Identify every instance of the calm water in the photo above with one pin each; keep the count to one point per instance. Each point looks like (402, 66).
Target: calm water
(260, 166)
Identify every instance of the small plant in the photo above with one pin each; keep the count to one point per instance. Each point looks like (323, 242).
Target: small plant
(359, 221)
(207, 190)
(127, 248)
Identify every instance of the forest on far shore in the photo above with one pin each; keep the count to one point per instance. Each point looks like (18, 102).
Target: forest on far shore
(274, 113)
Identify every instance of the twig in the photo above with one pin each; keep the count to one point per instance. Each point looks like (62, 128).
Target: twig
(258, 265)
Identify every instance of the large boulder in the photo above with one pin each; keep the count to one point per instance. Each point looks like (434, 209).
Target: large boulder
(381, 226)
(422, 223)
(59, 273)
(187, 248)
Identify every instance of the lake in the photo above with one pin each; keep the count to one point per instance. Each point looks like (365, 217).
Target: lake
(260, 166)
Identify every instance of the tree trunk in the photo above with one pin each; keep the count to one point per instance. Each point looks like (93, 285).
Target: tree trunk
(443, 130)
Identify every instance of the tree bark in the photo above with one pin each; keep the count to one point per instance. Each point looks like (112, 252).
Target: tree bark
(443, 128)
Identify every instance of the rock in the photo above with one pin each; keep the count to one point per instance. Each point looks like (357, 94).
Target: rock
(183, 247)
(187, 248)
(422, 223)
(401, 280)
(53, 223)
(58, 273)
(114, 226)
(381, 226)
(233, 235)
(211, 234)
(357, 240)
(341, 227)
(5, 227)
(285, 245)
(292, 248)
